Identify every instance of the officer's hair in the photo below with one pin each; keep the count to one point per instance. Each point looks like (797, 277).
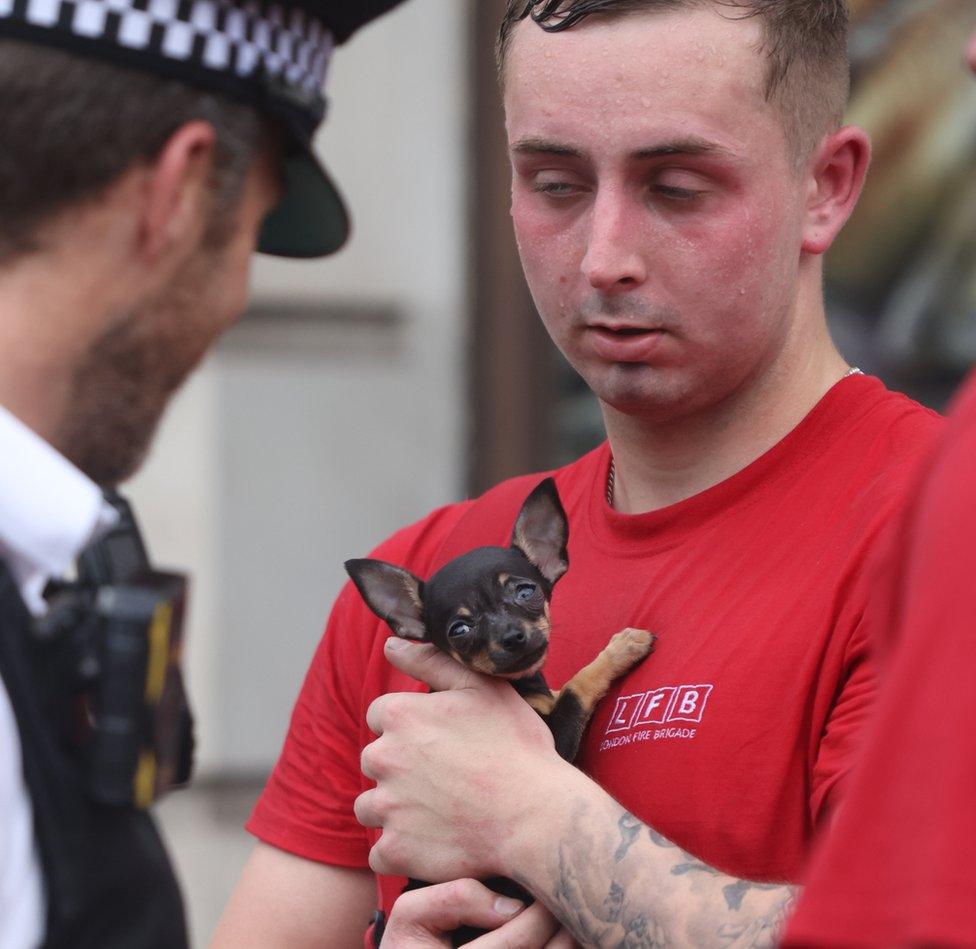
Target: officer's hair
(805, 45)
(70, 126)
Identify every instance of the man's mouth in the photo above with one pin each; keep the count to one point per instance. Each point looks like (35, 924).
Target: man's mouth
(624, 326)
(625, 342)
(625, 330)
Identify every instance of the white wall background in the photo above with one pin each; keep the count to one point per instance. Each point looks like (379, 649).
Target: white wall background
(301, 443)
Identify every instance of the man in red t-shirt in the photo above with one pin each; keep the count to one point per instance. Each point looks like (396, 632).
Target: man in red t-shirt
(896, 868)
(672, 207)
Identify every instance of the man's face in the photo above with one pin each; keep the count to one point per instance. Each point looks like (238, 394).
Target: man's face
(133, 368)
(657, 211)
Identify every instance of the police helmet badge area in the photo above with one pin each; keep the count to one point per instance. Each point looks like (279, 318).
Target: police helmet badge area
(273, 55)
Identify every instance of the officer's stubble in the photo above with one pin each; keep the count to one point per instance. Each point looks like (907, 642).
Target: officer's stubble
(122, 384)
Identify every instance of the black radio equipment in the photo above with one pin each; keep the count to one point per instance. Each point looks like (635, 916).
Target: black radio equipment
(111, 647)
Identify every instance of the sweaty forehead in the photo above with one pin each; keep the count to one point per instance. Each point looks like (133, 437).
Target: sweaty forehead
(640, 72)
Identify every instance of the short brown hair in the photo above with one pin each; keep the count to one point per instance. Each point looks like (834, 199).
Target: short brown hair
(72, 125)
(805, 45)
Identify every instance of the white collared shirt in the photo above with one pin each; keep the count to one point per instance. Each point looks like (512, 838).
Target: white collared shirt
(49, 511)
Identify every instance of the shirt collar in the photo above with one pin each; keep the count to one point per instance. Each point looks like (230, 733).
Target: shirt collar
(49, 510)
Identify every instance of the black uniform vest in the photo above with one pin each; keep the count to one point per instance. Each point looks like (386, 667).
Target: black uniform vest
(108, 880)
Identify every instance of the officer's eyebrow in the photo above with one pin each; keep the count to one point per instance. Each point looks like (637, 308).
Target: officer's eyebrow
(690, 145)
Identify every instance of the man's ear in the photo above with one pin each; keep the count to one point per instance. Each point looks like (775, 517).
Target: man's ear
(176, 191)
(835, 183)
(392, 593)
(542, 531)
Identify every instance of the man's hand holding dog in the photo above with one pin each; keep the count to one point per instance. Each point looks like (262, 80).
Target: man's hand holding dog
(459, 772)
(425, 918)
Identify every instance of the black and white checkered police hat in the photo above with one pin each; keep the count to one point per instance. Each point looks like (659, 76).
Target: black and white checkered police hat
(272, 53)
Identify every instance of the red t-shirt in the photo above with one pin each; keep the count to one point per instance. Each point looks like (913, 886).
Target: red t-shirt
(897, 866)
(731, 737)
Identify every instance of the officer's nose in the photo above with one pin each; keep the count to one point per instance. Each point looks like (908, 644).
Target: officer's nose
(614, 261)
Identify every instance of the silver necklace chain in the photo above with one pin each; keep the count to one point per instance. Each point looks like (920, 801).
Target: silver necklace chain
(612, 473)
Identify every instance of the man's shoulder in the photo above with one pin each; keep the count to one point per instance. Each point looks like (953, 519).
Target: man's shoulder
(900, 416)
(896, 430)
(880, 454)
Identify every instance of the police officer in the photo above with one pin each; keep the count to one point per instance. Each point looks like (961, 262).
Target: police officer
(146, 148)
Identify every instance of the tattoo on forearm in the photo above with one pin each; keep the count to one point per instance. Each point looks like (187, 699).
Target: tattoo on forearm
(734, 893)
(614, 903)
(643, 933)
(629, 829)
(623, 900)
(658, 839)
(571, 904)
(764, 930)
(695, 866)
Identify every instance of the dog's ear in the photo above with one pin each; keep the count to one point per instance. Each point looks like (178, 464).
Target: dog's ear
(395, 595)
(542, 531)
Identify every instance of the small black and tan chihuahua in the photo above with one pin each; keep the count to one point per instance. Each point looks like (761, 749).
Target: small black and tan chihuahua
(489, 610)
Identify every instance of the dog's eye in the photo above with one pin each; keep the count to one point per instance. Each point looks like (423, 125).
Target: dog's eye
(527, 593)
(459, 628)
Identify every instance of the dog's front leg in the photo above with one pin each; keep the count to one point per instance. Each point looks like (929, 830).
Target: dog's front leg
(576, 701)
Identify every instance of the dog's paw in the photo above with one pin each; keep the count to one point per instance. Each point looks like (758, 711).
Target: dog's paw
(629, 646)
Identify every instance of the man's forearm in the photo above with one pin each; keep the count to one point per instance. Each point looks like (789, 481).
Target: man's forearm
(613, 881)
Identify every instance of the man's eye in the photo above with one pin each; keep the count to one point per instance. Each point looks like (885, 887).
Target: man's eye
(555, 189)
(678, 194)
(459, 628)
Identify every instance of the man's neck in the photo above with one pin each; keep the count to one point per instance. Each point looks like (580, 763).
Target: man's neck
(658, 464)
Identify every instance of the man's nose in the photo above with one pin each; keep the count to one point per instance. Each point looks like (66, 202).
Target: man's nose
(614, 260)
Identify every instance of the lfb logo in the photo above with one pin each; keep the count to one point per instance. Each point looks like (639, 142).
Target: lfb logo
(671, 703)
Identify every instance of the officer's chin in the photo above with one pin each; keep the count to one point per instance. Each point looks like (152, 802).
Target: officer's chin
(113, 448)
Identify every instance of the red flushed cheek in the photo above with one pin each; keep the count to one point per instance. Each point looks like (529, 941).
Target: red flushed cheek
(742, 246)
(719, 255)
(534, 221)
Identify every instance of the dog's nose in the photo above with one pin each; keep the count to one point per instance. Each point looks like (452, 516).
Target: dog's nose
(513, 640)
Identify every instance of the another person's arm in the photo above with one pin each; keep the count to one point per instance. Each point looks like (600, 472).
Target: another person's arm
(286, 902)
(895, 867)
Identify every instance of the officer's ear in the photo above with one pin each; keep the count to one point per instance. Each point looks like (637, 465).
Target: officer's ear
(175, 199)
